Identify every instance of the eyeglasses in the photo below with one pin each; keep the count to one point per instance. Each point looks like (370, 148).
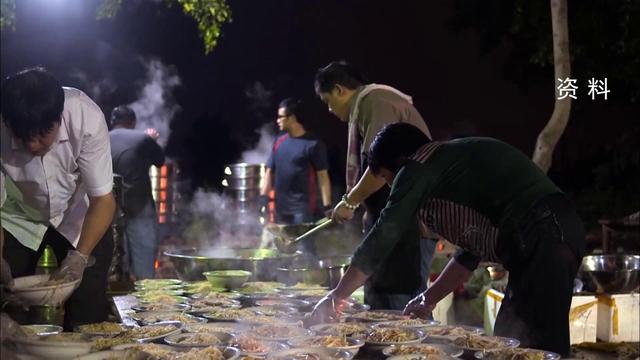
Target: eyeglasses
(283, 116)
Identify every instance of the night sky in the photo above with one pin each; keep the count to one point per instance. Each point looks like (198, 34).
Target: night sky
(278, 45)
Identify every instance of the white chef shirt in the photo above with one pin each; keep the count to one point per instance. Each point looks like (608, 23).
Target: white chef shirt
(51, 190)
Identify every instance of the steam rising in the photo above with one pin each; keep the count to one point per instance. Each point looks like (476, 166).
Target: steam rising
(156, 106)
(260, 153)
(217, 223)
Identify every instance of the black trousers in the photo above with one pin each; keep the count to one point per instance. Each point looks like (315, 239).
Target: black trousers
(88, 303)
(545, 254)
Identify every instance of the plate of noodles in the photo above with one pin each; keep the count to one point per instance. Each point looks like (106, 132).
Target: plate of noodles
(212, 327)
(472, 343)
(101, 329)
(199, 339)
(280, 332)
(423, 349)
(253, 347)
(451, 331)
(516, 354)
(328, 341)
(378, 316)
(316, 353)
(354, 330)
(409, 323)
(394, 336)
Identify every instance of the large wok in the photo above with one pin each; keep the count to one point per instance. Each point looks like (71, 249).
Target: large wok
(190, 263)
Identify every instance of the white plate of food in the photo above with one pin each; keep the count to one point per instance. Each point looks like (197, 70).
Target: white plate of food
(199, 339)
(328, 341)
(214, 293)
(409, 323)
(41, 329)
(257, 320)
(229, 327)
(160, 307)
(101, 329)
(153, 293)
(421, 357)
(139, 288)
(280, 332)
(41, 290)
(451, 331)
(394, 336)
(199, 304)
(152, 284)
(152, 317)
(473, 343)
(56, 346)
(168, 352)
(226, 314)
(316, 353)
(353, 329)
(158, 350)
(163, 299)
(423, 349)
(251, 347)
(378, 316)
(516, 354)
(154, 332)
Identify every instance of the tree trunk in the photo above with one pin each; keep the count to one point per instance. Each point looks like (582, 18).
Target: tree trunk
(550, 135)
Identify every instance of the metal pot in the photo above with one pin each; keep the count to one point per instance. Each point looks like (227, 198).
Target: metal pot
(243, 170)
(610, 273)
(262, 263)
(243, 195)
(242, 183)
(325, 272)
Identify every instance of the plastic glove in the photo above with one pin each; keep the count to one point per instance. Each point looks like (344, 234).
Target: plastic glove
(6, 278)
(327, 310)
(72, 267)
(419, 307)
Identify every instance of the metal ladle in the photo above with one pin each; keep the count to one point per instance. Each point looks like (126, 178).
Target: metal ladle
(288, 245)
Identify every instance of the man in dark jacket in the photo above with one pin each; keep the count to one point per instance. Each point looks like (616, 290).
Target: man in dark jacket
(133, 152)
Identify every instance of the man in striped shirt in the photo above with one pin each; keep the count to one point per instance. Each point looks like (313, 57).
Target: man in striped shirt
(492, 202)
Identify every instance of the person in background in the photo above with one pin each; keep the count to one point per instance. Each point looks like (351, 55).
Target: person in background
(505, 211)
(56, 183)
(367, 108)
(133, 153)
(297, 164)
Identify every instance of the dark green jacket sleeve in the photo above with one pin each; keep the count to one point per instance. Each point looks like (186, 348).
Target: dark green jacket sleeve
(408, 190)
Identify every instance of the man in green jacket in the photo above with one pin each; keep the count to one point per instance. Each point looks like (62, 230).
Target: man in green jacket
(495, 204)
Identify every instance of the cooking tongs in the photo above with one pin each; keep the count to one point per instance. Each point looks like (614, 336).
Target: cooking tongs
(289, 245)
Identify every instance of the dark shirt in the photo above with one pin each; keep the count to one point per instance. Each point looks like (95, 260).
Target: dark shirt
(466, 191)
(133, 152)
(294, 162)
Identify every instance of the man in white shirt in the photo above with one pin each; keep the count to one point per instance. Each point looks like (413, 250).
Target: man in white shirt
(56, 188)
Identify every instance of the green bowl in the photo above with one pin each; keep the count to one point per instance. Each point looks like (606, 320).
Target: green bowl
(229, 279)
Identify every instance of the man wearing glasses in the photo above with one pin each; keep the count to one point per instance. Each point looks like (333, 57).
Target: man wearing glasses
(297, 165)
